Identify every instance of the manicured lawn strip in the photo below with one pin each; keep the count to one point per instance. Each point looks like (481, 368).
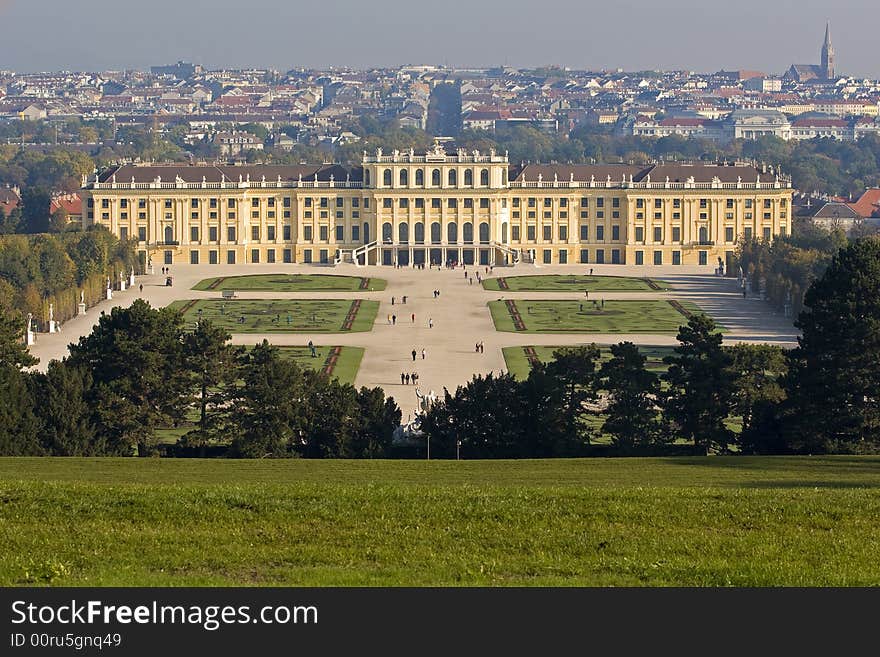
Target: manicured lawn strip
(576, 283)
(563, 316)
(518, 364)
(291, 283)
(347, 365)
(678, 472)
(713, 521)
(270, 315)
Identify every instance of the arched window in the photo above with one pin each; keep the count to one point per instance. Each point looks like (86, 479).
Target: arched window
(484, 233)
(386, 232)
(452, 233)
(435, 177)
(435, 232)
(453, 178)
(704, 234)
(420, 233)
(366, 177)
(404, 178)
(467, 232)
(468, 177)
(366, 233)
(403, 233)
(420, 178)
(386, 178)
(484, 177)
(169, 234)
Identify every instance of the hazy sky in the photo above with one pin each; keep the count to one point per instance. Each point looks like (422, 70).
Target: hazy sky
(708, 35)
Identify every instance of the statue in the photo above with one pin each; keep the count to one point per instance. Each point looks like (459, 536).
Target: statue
(82, 296)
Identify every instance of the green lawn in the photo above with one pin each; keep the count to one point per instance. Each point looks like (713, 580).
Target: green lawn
(583, 317)
(292, 283)
(713, 521)
(517, 360)
(280, 315)
(574, 283)
(347, 364)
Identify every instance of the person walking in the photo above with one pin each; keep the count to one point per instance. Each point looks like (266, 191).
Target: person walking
(415, 378)
(413, 318)
(404, 299)
(414, 355)
(424, 353)
(394, 319)
(591, 271)
(142, 288)
(402, 375)
(430, 323)
(407, 378)
(392, 301)
(389, 320)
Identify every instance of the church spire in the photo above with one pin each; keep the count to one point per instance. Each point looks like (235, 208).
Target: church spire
(828, 54)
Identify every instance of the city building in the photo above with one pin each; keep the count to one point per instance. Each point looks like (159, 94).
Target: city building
(812, 72)
(438, 206)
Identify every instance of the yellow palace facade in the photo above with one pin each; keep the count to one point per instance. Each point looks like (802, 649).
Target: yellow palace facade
(439, 206)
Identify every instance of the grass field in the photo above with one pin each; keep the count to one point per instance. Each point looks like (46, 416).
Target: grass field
(517, 360)
(541, 316)
(292, 283)
(574, 283)
(690, 521)
(281, 315)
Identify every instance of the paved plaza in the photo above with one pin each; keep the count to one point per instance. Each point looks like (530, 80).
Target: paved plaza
(460, 317)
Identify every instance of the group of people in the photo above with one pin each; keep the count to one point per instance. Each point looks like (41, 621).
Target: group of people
(403, 298)
(478, 347)
(416, 353)
(406, 378)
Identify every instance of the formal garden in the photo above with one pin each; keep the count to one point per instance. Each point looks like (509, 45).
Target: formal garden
(591, 316)
(293, 283)
(281, 315)
(574, 283)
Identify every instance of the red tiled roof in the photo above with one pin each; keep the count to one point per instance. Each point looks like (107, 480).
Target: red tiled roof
(868, 204)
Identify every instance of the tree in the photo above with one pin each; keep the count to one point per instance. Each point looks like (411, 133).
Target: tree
(18, 424)
(700, 391)
(378, 418)
(210, 362)
(633, 392)
(65, 416)
(35, 210)
(13, 351)
(484, 414)
(835, 370)
(330, 417)
(575, 370)
(266, 411)
(134, 357)
(756, 370)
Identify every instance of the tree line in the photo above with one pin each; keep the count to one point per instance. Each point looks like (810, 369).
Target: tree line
(36, 270)
(785, 268)
(818, 398)
(140, 371)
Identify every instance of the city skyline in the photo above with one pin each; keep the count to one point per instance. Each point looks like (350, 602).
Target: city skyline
(679, 35)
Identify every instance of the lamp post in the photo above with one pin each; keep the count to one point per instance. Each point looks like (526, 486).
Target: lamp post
(457, 450)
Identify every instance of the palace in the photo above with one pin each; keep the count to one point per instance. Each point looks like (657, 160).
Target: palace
(439, 206)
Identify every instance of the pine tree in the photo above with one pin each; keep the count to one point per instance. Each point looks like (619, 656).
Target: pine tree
(632, 414)
(835, 372)
(700, 391)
